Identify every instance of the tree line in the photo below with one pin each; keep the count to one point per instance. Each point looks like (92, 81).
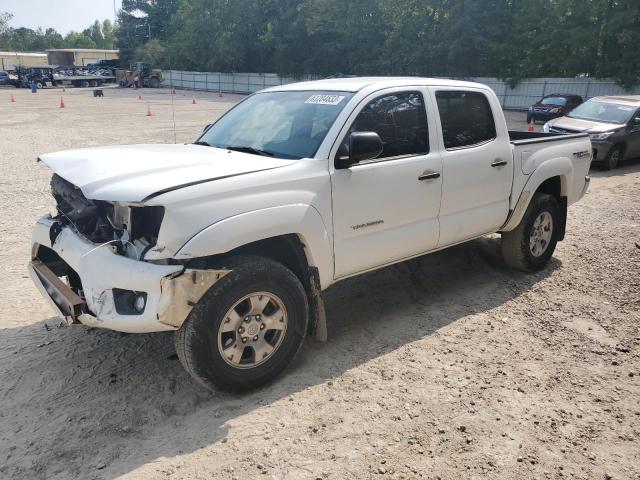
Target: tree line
(509, 39)
(98, 35)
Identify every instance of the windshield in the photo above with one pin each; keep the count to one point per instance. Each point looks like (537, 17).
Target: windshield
(554, 101)
(279, 124)
(603, 112)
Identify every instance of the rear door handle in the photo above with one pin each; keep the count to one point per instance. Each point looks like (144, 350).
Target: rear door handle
(499, 163)
(428, 176)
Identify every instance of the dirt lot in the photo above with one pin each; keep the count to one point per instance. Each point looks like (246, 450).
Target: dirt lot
(450, 366)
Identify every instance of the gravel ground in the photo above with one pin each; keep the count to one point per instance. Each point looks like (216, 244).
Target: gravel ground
(450, 366)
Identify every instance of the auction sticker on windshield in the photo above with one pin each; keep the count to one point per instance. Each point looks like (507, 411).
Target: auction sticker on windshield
(325, 99)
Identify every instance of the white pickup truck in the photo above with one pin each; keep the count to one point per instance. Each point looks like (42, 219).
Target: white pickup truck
(231, 240)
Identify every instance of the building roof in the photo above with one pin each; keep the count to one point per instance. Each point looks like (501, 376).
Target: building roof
(80, 50)
(356, 84)
(23, 54)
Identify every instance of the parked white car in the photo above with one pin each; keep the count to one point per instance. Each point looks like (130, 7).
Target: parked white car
(231, 240)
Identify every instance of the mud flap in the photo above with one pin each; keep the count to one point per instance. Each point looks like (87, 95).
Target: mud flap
(317, 314)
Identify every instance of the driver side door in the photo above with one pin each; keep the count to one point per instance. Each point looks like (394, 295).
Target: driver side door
(386, 209)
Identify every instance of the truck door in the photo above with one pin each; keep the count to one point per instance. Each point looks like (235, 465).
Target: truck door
(386, 209)
(477, 164)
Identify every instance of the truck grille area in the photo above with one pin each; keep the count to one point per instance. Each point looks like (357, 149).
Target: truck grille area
(90, 218)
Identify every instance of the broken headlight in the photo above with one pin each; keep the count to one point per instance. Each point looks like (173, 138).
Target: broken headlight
(140, 227)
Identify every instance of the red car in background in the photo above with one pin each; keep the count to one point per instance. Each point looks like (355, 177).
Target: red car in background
(553, 106)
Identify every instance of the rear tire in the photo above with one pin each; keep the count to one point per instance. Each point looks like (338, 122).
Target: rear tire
(530, 246)
(209, 343)
(613, 158)
(154, 82)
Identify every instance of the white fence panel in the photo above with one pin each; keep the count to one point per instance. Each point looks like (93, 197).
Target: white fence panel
(520, 96)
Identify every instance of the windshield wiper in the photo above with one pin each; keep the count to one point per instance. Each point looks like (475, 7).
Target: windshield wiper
(251, 150)
(202, 142)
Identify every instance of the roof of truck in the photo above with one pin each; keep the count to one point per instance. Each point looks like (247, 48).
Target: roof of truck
(354, 84)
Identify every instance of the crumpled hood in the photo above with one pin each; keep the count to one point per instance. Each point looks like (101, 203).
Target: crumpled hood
(132, 173)
(580, 125)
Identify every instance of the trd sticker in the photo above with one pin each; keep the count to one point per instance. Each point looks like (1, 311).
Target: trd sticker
(325, 99)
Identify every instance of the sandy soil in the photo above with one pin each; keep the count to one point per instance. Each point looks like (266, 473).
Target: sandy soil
(450, 366)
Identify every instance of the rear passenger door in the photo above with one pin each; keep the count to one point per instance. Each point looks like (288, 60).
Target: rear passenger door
(477, 164)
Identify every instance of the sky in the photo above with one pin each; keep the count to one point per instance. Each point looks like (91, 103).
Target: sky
(63, 15)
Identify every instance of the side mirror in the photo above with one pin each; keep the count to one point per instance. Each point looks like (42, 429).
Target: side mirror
(362, 146)
(636, 121)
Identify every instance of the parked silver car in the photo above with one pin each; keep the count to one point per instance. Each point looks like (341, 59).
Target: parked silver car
(613, 123)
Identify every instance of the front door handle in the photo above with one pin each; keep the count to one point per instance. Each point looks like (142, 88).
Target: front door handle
(429, 175)
(499, 163)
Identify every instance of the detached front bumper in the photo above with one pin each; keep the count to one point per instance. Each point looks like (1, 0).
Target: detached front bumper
(104, 282)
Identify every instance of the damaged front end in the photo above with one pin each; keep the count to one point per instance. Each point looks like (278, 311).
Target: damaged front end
(130, 229)
(88, 261)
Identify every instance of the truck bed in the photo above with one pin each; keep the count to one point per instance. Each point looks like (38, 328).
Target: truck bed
(532, 149)
(526, 138)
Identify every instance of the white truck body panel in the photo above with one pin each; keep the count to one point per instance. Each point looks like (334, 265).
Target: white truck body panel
(348, 220)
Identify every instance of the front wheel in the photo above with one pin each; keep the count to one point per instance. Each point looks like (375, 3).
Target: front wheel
(613, 158)
(247, 328)
(530, 246)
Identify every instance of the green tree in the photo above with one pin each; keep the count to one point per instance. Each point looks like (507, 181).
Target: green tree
(5, 31)
(78, 40)
(108, 34)
(139, 21)
(151, 52)
(94, 32)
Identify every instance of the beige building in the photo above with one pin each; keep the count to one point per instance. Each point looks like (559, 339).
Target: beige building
(11, 60)
(78, 56)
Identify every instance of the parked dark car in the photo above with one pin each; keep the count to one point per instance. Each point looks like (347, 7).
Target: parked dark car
(4, 78)
(553, 106)
(613, 123)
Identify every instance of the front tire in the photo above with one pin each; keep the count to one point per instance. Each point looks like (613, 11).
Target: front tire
(531, 244)
(247, 328)
(613, 158)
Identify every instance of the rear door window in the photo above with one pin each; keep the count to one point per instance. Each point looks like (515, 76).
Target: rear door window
(466, 118)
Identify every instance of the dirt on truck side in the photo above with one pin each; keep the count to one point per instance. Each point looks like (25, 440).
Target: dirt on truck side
(449, 366)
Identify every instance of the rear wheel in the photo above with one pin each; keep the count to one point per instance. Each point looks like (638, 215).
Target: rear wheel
(154, 82)
(247, 328)
(613, 158)
(530, 246)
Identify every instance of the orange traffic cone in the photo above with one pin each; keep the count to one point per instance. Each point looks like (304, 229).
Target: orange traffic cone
(139, 97)
(61, 103)
(532, 126)
(193, 101)
(173, 92)
(149, 110)
(13, 99)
